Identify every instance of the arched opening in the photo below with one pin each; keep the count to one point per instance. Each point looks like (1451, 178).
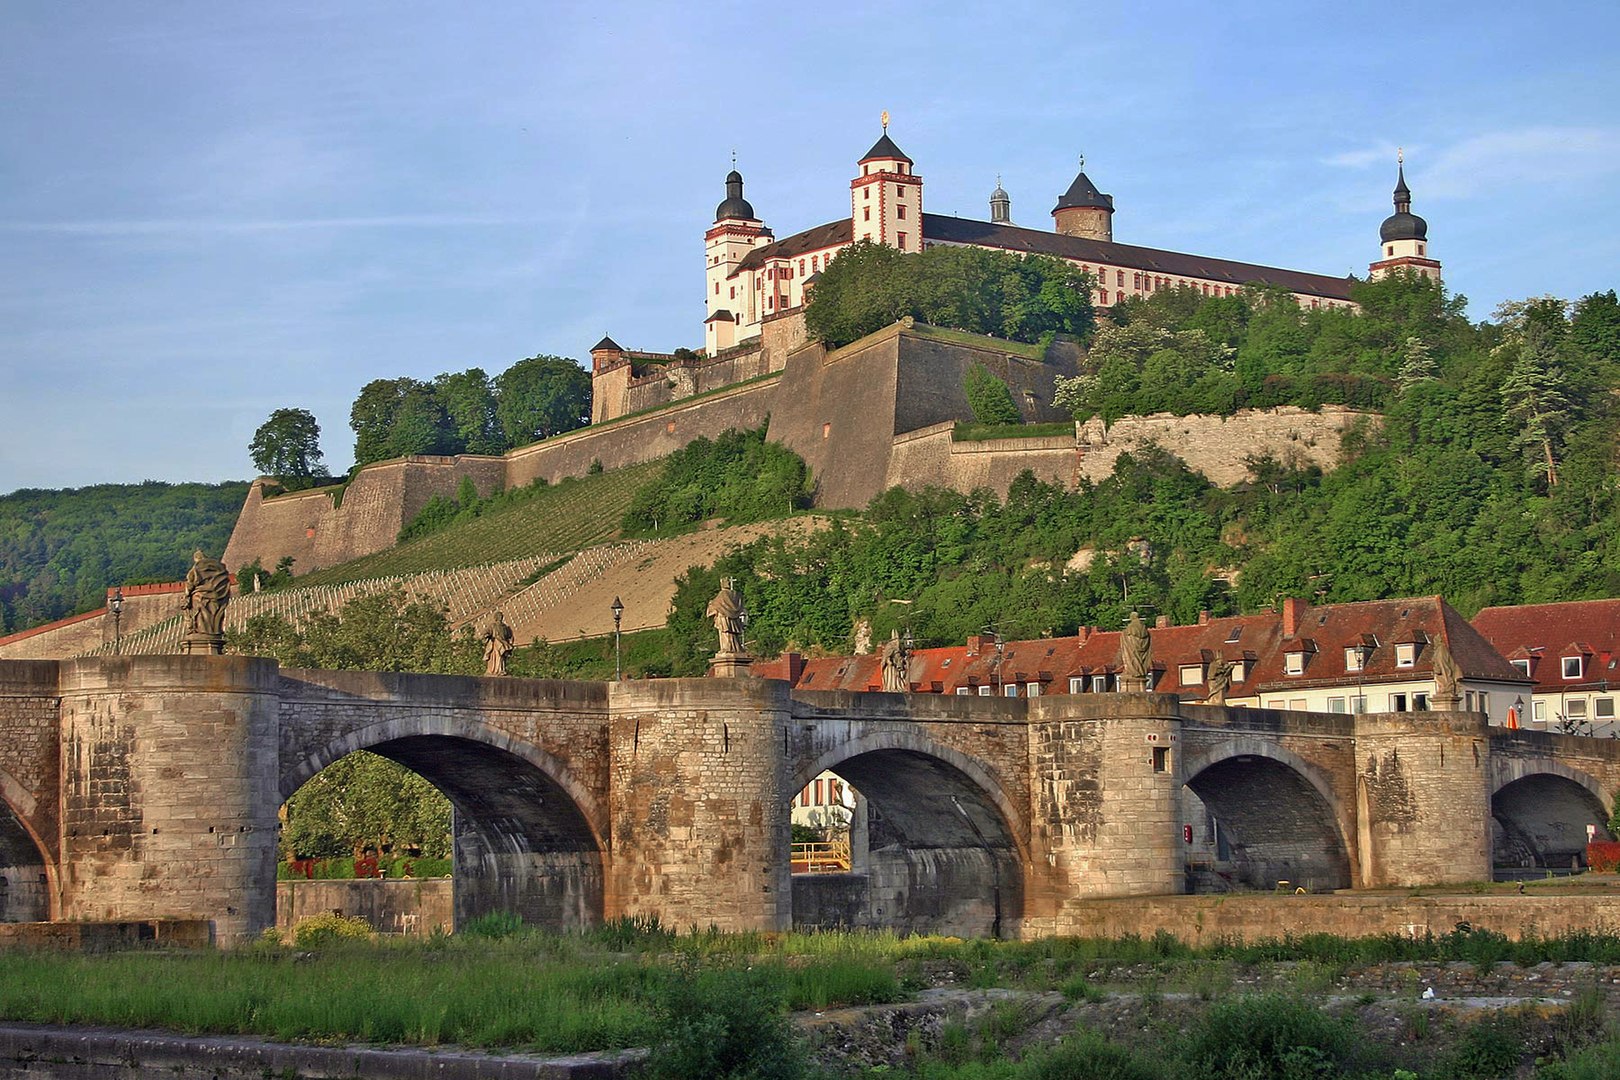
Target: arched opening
(930, 852)
(1257, 822)
(520, 842)
(1538, 822)
(25, 894)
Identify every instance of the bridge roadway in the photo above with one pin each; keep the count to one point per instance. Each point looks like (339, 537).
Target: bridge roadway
(144, 787)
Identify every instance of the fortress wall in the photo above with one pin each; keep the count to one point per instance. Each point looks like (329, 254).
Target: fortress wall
(1217, 445)
(641, 438)
(929, 457)
(931, 372)
(836, 410)
(144, 605)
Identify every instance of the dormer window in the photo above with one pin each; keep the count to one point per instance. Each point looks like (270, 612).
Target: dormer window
(1573, 666)
(1237, 632)
(1239, 670)
(1294, 663)
(1353, 658)
(1523, 666)
(1406, 655)
(1192, 674)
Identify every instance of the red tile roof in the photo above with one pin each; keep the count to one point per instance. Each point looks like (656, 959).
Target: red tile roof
(1544, 633)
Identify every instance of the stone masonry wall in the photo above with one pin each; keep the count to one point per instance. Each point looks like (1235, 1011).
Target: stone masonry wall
(403, 906)
(1217, 445)
(930, 457)
(30, 777)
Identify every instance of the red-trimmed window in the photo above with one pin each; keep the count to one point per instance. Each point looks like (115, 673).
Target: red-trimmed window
(900, 211)
(902, 244)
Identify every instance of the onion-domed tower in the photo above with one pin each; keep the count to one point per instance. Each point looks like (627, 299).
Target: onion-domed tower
(1404, 235)
(736, 232)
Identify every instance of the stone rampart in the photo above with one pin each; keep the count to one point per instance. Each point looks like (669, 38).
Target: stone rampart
(1219, 446)
(932, 457)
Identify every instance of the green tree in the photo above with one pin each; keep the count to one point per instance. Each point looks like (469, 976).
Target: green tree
(360, 801)
(288, 447)
(1417, 365)
(396, 418)
(541, 397)
(1533, 395)
(988, 397)
(468, 399)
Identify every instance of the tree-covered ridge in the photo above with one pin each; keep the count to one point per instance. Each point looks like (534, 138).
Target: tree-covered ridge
(61, 550)
(1492, 478)
(1023, 298)
(738, 477)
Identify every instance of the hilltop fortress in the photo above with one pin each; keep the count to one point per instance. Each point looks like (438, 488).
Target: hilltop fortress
(873, 414)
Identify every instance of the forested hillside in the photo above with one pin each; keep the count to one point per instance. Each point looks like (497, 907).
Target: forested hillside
(60, 550)
(1492, 479)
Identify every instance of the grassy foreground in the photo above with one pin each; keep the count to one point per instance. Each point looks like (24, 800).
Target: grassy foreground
(711, 1005)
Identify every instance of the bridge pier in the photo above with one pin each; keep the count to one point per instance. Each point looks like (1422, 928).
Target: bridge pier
(169, 794)
(1107, 798)
(1423, 803)
(699, 803)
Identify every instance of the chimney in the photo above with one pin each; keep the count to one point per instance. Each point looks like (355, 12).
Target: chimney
(795, 666)
(1292, 609)
(975, 645)
(1161, 622)
(1203, 617)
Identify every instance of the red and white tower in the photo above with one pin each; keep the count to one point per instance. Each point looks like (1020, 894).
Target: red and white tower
(886, 199)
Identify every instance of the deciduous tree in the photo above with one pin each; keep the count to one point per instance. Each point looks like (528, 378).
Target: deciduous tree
(288, 447)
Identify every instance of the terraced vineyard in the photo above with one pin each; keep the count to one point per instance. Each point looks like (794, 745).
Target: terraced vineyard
(572, 515)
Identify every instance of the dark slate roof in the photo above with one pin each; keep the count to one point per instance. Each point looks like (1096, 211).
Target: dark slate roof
(1403, 226)
(885, 148)
(822, 236)
(721, 316)
(953, 230)
(607, 344)
(1083, 193)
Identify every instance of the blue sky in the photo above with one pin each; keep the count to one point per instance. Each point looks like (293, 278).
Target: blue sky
(212, 210)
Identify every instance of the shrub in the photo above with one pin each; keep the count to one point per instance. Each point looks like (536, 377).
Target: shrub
(1267, 1037)
(330, 928)
(493, 925)
(1089, 1056)
(725, 1023)
(989, 397)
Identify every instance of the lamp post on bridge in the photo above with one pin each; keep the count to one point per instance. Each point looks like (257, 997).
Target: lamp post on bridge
(618, 654)
(116, 606)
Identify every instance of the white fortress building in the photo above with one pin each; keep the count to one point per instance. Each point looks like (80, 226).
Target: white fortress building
(754, 278)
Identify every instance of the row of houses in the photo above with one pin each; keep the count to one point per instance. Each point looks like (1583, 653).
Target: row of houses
(1546, 666)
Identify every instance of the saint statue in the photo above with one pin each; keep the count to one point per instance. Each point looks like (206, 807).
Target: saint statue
(895, 660)
(1446, 676)
(497, 644)
(726, 609)
(208, 590)
(1135, 655)
(1220, 680)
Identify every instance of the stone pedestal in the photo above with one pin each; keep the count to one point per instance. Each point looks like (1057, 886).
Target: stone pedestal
(731, 666)
(203, 644)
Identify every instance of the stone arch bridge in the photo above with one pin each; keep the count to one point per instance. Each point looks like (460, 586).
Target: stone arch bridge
(148, 787)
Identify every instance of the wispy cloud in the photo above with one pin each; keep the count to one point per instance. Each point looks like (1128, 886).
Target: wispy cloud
(162, 226)
(1486, 163)
(1363, 158)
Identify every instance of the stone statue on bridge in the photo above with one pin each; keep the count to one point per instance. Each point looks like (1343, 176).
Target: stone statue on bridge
(1135, 656)
(730, 620)
(895, 660)
(1447, 677)
(498, 644)
(1220, 680)
(208, 590)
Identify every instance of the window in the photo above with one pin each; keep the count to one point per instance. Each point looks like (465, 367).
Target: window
(1523, 666)
(1296, 704)
(1352, 658)
(1420, 248)
(866, 193)
(1420, 702)
(1237, 632)
(1358, 703)
(1538, 711)
(1576, 708)
(801, 268)
(1294, 663)
(1603, 708)
(1468, 701)
(1192, 674)
(1239, 670)
(1336, 704)
(1405, 655)
(1397, 703)
(1572, 667)
(815, 263)
(1119, 278)
(1032, 689)
(1077, 684)
(899, 190)
(1010, 690)
(1099, 684)
(1161, 759)
(964, 691)
(819, 800)
(717, 288)
(984, 691)
(902, 241)
(866, 214)
(734, 292)
(1136, 281)
(1389, 249)
(900, 212)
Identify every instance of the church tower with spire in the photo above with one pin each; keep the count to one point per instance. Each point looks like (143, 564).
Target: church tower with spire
(886, 198)
(1404, 235)
(1084, 211)
(736, 232)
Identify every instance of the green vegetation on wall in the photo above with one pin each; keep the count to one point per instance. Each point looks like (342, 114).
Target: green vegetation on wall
(1024, 298)
(61, 550)
(738, 477)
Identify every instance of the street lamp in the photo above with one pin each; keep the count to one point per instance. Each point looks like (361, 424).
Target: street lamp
(116, 606)
(1363, 654)
(618, 655)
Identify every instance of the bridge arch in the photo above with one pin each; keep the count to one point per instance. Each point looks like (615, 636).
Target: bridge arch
(529, 837)
(1539, 813)
(1281, 816)
(938, 846)
(28, 883)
